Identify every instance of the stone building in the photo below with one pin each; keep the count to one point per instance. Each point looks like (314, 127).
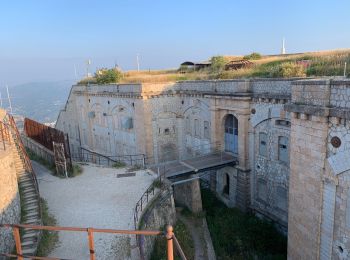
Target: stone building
(290, 136)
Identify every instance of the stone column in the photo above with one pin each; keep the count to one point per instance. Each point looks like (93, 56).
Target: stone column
(188, 194)
(308, 147)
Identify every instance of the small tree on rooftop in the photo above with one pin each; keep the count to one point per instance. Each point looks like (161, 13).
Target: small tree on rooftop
(253, 56)
(217, 63)
(105, 76)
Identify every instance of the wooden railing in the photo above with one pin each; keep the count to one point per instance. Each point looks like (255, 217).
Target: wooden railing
(169, 235)
(5, 136)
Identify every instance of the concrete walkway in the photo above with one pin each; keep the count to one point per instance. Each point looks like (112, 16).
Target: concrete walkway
(97, 198)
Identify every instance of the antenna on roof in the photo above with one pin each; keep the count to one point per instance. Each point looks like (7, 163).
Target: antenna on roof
(345, 70)
(283, 49)
(138, 62)
(88, 63)
(8, 96)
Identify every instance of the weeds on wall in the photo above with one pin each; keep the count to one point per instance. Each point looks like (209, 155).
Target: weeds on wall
(49, 239)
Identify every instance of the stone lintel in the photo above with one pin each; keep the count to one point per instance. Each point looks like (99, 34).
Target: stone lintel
(306, 109)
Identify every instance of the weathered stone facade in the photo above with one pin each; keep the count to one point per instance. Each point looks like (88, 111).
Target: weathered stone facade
(291, 138)
(10, 210)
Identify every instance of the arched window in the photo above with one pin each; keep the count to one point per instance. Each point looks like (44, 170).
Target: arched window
(231, 134)
(206, 130)
(262, 190)
(283, 151)
(196, 127)
(263, 144)
(226, 189)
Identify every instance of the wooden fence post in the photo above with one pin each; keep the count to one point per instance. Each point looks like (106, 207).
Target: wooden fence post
(170, 246)
(91, 244)
(17, 237)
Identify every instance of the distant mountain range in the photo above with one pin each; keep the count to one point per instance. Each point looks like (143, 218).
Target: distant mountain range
(40, 101)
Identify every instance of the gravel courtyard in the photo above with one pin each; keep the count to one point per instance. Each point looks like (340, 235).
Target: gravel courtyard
(96, 198)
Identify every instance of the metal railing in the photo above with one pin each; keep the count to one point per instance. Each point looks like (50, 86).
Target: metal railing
(5, 136)
(185, 153)
(86, 155)
(141, 204)
(16, 138)
(169, 235)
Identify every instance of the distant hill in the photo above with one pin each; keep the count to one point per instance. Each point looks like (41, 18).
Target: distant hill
(40, 101)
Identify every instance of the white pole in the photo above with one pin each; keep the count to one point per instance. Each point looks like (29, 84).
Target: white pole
(8, 96)
(138, 62)
(345, 70)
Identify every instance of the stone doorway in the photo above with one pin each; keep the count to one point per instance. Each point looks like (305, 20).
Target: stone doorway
(231, 134)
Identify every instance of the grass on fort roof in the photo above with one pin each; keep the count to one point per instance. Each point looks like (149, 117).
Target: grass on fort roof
(323, 63)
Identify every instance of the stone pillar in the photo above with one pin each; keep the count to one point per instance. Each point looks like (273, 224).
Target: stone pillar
(188, 194)
(309, 130)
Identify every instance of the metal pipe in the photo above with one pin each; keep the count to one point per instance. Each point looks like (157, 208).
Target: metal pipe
(170, 247)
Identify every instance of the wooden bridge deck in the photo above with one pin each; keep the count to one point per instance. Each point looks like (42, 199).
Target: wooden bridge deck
(197, 164)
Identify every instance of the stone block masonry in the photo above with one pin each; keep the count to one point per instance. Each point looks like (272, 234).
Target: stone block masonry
(10, 209)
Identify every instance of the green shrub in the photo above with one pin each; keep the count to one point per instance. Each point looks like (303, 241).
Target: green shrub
(288, 70)
(75, 171)
(185, 241)
(105, 76)
(118, 165)
(253, 56)
(217, 64)
(48, 239)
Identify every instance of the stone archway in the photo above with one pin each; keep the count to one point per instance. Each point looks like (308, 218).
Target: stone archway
(231, 133)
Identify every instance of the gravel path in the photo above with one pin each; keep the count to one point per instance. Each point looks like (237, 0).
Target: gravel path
(97, 198)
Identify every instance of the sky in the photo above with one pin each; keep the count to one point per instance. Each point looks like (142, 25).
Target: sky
(50, 40)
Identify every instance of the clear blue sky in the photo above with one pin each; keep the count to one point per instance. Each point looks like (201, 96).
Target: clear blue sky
(43, 39)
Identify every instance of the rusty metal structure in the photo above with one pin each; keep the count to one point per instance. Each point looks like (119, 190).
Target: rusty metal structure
(46, 136)
(238, 64)
(168, 234)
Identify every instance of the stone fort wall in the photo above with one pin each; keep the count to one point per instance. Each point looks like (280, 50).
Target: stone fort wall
(9, 200)
(289, 170)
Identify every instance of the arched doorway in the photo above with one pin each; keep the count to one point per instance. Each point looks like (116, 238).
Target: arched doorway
(231, 134)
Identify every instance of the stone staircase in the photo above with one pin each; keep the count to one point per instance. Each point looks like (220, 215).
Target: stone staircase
(29, 193)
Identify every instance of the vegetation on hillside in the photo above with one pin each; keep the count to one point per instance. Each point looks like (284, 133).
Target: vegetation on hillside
(313, 64)
(253, 56)
(185, 241)
(236, 235)
(49, 239)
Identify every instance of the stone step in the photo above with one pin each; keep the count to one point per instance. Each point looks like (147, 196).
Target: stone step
(30, 242)
(31, 195)
(31, 214)
(29, 251)
(26, 184)
(30, 202)
(29, 234)
(32, 222)
(31, 207)
(26, 189)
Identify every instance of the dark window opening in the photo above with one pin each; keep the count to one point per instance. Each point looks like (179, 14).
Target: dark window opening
(166, 131)
(226, 190)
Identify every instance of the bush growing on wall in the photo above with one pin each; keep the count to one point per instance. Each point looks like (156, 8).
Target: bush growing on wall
(105, 76)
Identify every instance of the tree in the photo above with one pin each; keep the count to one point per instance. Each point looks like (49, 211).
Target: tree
(253, 56)
(105, 76)
(288, 70)
(217, 63)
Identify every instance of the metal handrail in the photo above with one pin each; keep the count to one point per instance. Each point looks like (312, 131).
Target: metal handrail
(169, 234)
(23, 154)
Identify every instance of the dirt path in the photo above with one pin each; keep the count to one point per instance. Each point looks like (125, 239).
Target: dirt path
(96, 198)
(201, 238)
